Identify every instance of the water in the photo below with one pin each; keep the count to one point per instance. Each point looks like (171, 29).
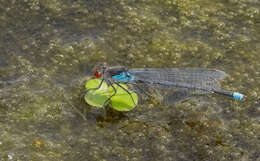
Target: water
(48, 48)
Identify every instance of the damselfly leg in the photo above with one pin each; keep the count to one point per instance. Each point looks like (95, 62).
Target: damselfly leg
(115, 91)
(127, 92)
(86, 91)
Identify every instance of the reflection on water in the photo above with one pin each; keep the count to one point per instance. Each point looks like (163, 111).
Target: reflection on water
(48, 49)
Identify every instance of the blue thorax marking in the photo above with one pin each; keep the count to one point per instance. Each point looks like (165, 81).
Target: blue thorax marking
(124, 77)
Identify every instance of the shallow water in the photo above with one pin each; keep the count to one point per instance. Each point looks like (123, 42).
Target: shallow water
(48, 49)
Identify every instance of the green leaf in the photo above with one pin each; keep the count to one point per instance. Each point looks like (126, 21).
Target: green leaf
(94, 83)
(122, 101)
(96, 97)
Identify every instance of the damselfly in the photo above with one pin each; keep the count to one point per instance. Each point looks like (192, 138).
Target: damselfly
(193, 79)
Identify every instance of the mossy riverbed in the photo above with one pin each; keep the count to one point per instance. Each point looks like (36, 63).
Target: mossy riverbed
(48, 49)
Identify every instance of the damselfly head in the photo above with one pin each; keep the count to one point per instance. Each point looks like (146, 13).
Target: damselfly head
(97, 74)
(99, 69)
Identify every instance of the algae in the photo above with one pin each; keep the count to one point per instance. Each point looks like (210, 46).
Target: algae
(48, 48)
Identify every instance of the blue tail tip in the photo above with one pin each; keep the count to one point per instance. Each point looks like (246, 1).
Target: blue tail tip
(238, 96)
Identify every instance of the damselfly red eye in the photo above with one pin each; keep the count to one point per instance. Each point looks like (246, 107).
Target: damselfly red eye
(97, 74)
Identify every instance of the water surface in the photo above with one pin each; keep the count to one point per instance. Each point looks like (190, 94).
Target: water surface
(48, 49)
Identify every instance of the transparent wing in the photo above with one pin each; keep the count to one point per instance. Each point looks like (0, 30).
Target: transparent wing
(176, 84)
(190, 78)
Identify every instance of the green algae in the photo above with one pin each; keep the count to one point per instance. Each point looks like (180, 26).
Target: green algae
(48, 47)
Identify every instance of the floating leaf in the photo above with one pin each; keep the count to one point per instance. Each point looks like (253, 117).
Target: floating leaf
(94, 83)
(96, 97)
(121, 101)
